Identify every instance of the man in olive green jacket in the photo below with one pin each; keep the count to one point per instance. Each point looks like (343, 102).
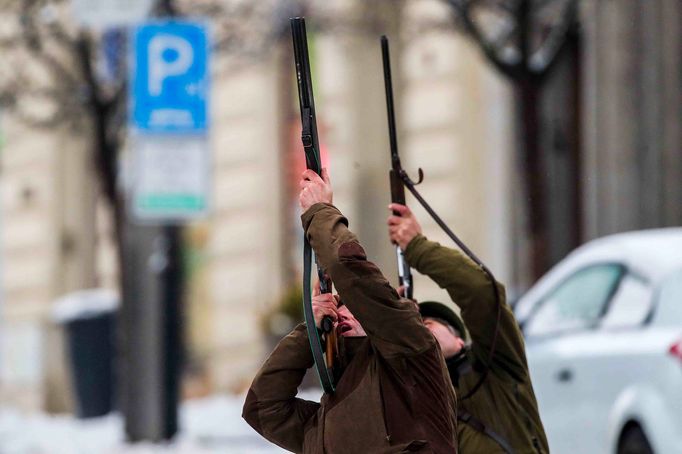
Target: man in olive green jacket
(394, 394)
(502, 415)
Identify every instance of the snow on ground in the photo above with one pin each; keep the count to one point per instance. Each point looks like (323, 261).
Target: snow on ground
(208, 426)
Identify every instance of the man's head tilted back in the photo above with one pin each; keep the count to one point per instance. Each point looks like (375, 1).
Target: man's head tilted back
(445, 325)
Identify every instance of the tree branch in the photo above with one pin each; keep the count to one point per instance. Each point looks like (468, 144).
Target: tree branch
(83, 49)
(61, 108)
(505, 6)
(106, 142)
(542, 60)
(35, 46)
(503, 38)
(462, 9)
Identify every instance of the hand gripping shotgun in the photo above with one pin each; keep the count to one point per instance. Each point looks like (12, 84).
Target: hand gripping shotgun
(404, 181)
(323, 361)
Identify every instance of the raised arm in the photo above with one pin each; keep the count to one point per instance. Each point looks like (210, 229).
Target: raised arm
(469, 288)
(392, 324)
(271, 406)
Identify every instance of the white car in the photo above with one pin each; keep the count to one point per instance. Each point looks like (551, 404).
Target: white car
(603, 335)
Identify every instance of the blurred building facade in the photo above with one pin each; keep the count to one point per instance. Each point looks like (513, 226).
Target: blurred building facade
(447, 99)
(58, 237)
(632, 105)
(455, 118)
(49, 233)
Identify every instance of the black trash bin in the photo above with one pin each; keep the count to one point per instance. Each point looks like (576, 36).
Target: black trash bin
(88, 318)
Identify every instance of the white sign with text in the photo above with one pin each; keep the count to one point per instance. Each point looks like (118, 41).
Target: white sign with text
(101, 14)
(171, 178)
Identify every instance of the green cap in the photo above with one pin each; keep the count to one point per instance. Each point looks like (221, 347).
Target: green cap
(440, 311)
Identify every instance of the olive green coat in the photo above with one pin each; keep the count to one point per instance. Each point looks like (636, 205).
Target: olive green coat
(506, 401)
(394, 395)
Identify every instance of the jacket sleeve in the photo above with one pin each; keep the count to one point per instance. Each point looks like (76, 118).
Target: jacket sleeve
(470, 289)
(271, 406)
(393, 324)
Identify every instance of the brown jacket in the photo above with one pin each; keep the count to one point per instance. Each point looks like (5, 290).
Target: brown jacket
(394, 394)
(506, 401)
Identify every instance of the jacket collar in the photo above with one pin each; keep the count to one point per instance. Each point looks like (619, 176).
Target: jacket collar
(458, 365)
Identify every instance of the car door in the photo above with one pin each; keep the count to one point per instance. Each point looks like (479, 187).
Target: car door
(605, 362)
(559, 332)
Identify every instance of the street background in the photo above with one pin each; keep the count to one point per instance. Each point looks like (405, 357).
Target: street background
(539, 125)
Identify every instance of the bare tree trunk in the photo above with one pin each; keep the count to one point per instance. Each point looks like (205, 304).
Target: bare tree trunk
(528, 105)
(527, 71)
(151, 281)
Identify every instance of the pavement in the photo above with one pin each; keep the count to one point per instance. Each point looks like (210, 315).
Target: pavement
(207, 426)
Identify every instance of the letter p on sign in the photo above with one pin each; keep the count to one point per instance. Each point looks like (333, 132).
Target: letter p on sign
(169, 55)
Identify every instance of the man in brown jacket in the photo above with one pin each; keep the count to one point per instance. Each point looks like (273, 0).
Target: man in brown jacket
(502, 415)
(393, 395)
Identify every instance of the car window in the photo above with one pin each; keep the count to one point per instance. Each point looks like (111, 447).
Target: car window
(630, 305)
(578, 302)
(669, 304)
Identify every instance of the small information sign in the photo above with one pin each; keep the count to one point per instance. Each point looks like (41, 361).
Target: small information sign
(171, 178)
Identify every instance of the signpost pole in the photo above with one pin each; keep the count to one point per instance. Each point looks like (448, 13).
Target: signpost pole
(173, 280)
(168, 132)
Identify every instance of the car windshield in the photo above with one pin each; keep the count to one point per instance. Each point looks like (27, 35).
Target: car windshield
(577, 302)
(669, 311)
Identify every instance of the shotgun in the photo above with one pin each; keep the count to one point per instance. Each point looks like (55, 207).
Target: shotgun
(311, 147)
(397, 185)
(399, 173)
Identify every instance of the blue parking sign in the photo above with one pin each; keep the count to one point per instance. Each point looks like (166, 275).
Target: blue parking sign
(169, 79)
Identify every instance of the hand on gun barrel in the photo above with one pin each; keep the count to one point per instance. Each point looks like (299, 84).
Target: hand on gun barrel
(402, 225)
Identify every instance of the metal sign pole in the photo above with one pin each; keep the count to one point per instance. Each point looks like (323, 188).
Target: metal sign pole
(169, 137)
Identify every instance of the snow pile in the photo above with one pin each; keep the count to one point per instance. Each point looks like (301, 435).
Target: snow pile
(38, 434)
(208, 426)
(84, 304)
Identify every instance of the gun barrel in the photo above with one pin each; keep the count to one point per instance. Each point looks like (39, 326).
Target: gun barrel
(309, 135)
(390, 110)
(397, 185)
(404, 273)
(311, 148)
